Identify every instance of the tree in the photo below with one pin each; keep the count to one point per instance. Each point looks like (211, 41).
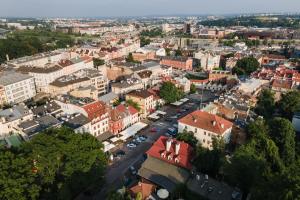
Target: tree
(17, 179)
(187, 137)
(168, 51)
(129, 58)
(246, 66)
(169, 92)
(266, 104)
(245, 169)
(55, 164)
(134, 104)
(211, 161)
(98, 62)
(178, 52)
(193, 89)
(283, 134)
(145, 41)
(289, 104)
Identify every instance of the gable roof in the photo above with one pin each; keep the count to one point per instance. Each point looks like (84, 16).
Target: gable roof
(95, 109)
(206, 121)
(184, 156)
(122, 108)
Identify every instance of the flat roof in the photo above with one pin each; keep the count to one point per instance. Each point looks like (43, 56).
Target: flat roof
(10, 77)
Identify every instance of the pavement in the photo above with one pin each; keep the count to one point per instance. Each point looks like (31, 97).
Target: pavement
(118, 170)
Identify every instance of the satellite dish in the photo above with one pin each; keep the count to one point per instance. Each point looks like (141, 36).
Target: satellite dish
(163, 193)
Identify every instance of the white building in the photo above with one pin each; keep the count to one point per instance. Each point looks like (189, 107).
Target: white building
(16, 87)
(12, 117)
(208, 60)
(205, 126)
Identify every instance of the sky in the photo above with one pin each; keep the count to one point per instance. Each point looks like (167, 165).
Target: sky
(110, 8)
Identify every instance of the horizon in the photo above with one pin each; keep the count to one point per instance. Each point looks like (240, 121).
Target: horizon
(142, 8)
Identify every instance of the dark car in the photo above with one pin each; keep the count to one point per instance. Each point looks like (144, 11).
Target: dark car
(119, 153)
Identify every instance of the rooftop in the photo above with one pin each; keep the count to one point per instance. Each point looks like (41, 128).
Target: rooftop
(32, 127)
(165, 149)
(11, 77)
(206, 121)
(140, 93)
(14, 113)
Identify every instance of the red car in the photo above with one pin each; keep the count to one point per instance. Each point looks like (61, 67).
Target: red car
(153, 129)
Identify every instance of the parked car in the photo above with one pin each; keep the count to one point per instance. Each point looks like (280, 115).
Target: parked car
(154, 129)
(119, 154)
(131, 145)
(132, 170)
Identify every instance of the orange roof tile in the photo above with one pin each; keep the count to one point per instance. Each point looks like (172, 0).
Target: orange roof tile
(206, 121)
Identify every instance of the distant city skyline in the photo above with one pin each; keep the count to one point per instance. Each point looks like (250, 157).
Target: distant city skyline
(119, 8)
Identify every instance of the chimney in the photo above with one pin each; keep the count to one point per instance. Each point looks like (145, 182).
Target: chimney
(214, 123)
(177, 148)
(168, 145)
(222, 125)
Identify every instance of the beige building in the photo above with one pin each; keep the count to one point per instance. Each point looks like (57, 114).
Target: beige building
(80, 79)
(144, 99)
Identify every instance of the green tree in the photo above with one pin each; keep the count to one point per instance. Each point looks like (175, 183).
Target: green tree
(187, 137)
(17, 179)
(145, 41)
(55, 164)
(129, 58)
(266, 104)
(211, 161)
(246, 66)
(169, 92)
(134, 104)
(283, 134)
(178, 52)
(193, 89)
(289, 104)
(98, 62)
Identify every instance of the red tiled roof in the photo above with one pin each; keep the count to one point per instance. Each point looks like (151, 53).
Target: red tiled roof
(95, 109)
(145, 188)
(205, 120)
(286, 84)
(131, 109)
(199, 81)
(184, 156)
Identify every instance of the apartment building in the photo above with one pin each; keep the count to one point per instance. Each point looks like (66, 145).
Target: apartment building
(124, 86)
(47, 74)
(11, 118)
(16, 87)
(205, 127)
(208, 60)
(95, 111)
(78, 80)
(181, 63)
(144, 99)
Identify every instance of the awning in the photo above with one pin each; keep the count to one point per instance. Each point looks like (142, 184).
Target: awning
(132, 130)
(108, 146)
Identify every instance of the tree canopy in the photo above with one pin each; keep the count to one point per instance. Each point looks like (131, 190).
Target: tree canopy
(55, 164)
(266, 103)
(265, 165)
(187, 137)
(246, 66)
(289, 104)
(29, 42)
(170, 93)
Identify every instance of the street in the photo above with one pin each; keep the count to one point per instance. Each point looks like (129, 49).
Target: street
(116, 172)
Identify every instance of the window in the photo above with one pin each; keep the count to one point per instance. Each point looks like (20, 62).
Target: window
(204, 133)
(203, 140)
